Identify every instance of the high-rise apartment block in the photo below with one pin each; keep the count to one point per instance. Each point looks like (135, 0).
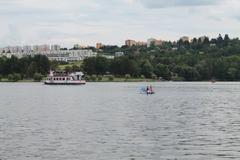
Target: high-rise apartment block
(41, 48)
(99, 45)
(55, 47)
(130, 43)
(153, 41)
(27, 49)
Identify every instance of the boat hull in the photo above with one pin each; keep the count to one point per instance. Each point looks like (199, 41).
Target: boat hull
(65, 83)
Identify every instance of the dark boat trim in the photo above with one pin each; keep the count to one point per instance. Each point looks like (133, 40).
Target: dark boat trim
(64, 83)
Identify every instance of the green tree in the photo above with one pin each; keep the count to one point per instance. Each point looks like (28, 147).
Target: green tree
(68, 69)
(93, 77)
(14, 77)
(163, 71)
(110, 77)
(38, 77)
(147, 69)
(232, 73)
(101, 65)
(89, 65)
(127, 77)
(75, 68)
(33, 68)
(99, 77)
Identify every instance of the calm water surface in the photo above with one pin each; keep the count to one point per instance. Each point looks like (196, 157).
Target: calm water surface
(112, 121)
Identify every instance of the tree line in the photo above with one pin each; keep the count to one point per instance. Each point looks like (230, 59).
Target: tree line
(199, 60)
(24, 68)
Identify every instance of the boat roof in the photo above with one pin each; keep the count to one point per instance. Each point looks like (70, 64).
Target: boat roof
(61, 73)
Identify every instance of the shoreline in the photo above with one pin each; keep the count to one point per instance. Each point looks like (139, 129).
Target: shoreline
(116, 80)
(102, 81)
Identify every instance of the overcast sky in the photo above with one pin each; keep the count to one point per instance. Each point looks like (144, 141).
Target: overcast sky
(67, 22)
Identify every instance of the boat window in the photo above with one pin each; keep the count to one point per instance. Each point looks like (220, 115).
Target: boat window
(63, 79)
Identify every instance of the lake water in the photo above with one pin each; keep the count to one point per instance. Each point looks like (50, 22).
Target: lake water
(112, 121)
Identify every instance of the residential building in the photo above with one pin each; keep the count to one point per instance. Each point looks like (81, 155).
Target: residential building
(55, 47)
(70, 55)
(8, 49)
(203, 38)
(130, 43)
(185, 39)
(154, 41)
(99, 45)
(119, 54)
(35, 48)
(141, 43)
(41, 48)
(108, 56)
(27, 49)
(76, 46)
(16, 49)
(45, 47)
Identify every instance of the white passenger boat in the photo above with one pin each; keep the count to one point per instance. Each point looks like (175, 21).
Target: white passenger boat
(61, 78)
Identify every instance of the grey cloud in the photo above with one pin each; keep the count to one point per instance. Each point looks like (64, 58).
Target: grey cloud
(237, 17)
(174, 3)
(111, 21)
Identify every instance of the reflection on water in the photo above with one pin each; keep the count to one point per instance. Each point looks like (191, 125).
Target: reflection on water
(102, 121)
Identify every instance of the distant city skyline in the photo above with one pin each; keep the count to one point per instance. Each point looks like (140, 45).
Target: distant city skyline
(68, 22)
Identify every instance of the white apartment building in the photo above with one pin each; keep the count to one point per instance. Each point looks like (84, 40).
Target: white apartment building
(41, 48)
(27, 49)
(76, 46)
(70, 55)
(55, 47)
(11, 49)
(108, 56)
(16, 49)
(119, 54)
(54, 54)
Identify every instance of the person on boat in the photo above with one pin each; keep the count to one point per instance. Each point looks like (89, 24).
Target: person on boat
(150, 89)
(147, 90)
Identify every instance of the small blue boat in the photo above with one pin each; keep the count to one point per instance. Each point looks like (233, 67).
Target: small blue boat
(147, 90)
